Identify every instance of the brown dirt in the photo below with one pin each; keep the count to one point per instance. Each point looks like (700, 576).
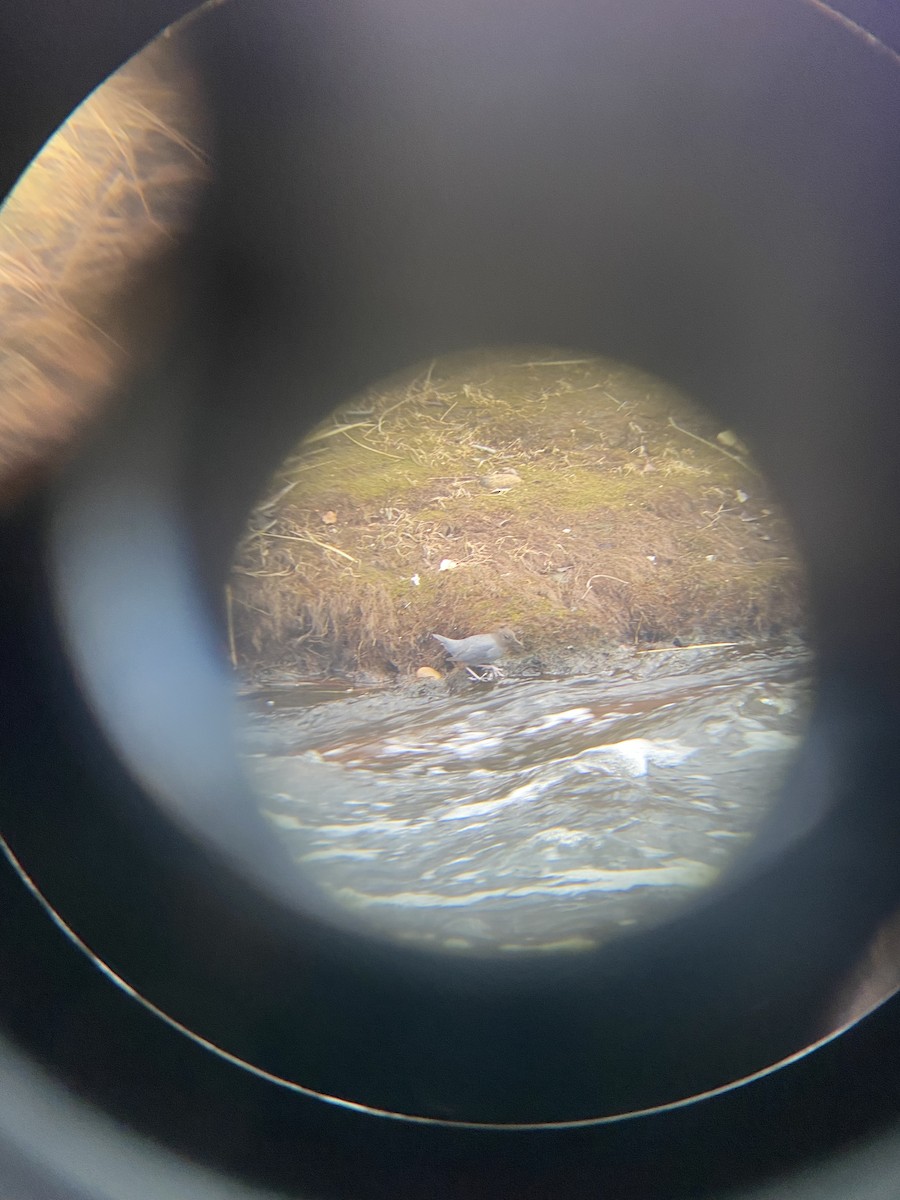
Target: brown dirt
(584, 503)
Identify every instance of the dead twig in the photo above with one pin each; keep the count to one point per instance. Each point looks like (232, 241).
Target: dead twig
(262, 575)
(229, 615)
(321, 434)
(310, 540)
(410, 394)
(255, 533)
(712, 445)
(273, 500)
(614, 578)
(363, 446)
(556, 362)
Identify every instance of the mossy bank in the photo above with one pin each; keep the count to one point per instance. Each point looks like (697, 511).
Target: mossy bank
(580, 501)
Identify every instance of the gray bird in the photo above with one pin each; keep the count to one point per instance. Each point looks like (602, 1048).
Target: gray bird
(481, 650)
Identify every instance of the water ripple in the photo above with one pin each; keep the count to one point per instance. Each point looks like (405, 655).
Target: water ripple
(553, 812)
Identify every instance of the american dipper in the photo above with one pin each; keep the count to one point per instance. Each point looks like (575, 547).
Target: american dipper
(480, 650)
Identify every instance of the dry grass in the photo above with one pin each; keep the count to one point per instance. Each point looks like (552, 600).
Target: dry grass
(109, 193)
(622, 527)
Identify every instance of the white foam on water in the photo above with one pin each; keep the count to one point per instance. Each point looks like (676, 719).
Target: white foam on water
(354, 827)
(684, 873)
(633, 756)
(526, 791)
(284, 821)
(392, 749)
(570, 716)
(767, 740)
(335, 852)
(473, 744)
(560, 835)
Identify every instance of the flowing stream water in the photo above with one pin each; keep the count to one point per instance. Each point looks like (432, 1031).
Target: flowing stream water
(528, 814)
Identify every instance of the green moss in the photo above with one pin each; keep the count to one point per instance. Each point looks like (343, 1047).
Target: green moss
(359, 475)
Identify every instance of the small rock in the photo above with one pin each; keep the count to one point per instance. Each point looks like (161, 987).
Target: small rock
(329, 518)
(741, 497)
(428, 673)
(414, 580)
(448, 564)
(729, 438)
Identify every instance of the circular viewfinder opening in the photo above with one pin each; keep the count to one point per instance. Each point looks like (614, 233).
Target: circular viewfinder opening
(521, 636)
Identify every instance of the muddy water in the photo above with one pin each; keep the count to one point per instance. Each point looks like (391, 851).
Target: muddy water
(529, 813)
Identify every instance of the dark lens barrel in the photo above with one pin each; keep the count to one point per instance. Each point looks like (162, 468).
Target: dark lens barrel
(706, 190)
